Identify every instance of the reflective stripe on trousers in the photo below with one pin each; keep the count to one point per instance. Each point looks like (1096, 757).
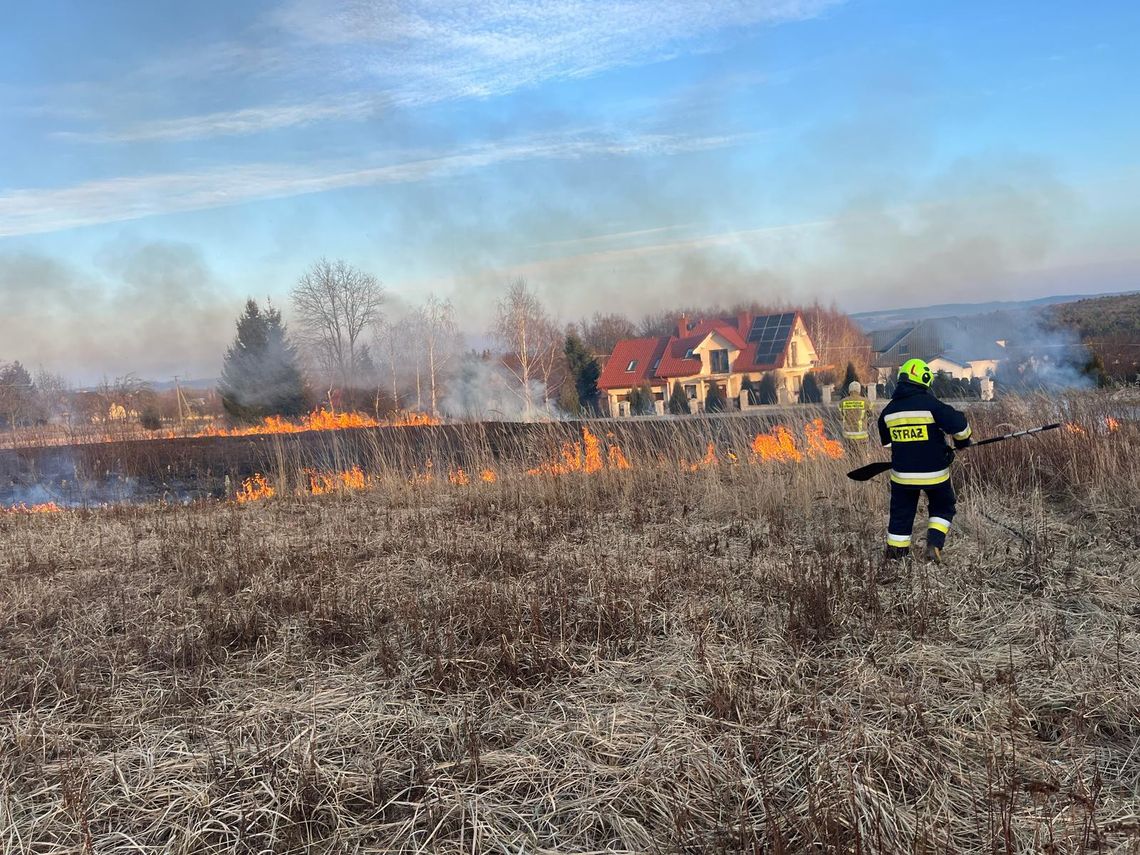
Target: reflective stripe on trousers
(941, 502)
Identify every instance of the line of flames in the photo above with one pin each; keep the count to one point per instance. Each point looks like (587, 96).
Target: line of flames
(322, 419)
(317, 420)
(590, 455)
(44, 508)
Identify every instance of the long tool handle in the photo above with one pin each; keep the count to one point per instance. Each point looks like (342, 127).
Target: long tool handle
(1053, 426)
(866, 473)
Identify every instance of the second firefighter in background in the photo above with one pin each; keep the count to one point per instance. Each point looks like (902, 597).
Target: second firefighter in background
(914, 426)
(854, 410)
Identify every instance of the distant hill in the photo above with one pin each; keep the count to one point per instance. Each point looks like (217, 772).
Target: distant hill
(887, 318)
(1100, 317)
(165, 385)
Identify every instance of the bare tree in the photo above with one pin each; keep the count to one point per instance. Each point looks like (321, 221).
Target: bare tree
(392, 342)
(54, 393)
(602, 332)
(336, 304)
(837, 338)
(438, 341)
(528, 337)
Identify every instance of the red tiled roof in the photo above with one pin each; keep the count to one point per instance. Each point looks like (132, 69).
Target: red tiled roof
(643, 351)
(726, 327)
(673, 361)
(671, 350)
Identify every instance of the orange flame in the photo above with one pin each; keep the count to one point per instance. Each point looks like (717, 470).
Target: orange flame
(778, 445)
(44, 508)
(1073, 427)
(459, 477)
(585, 456)
(710, 459)
(323, 420)
(1111, 423)
(616, 458)
(489, 476)
(818, 443)
(321, 483)
(254, 489)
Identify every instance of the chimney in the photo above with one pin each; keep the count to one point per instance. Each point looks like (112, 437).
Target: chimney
(682, 325)
(742, 323)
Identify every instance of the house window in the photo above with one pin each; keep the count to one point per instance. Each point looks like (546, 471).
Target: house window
(691, 391)
(632, 365)
(656, 365)
(797, 384)
(904, 349)
(689, 353)
(794, 353)
(718, 360)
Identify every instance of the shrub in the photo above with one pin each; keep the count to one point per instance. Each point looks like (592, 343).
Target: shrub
(766, 390)
(715, 400)
(679, 401)
(811, 393)
(641, 400)
(150, 419)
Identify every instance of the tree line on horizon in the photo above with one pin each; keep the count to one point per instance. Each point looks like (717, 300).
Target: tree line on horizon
(348, 353)
(350, 348)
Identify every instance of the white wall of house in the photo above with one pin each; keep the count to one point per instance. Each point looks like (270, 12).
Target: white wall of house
(984, 367)
(951, 368)
(801, 358)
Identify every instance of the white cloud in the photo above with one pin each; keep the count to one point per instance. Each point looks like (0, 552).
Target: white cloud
(30, 211)
(405, 53)
(232, 123)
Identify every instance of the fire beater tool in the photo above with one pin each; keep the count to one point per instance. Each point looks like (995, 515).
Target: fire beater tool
(866, 473)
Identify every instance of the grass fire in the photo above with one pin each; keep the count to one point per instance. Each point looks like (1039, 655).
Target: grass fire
(608, 620)
(632, 427)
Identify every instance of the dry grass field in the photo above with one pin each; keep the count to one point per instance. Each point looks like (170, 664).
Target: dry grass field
(660, 658)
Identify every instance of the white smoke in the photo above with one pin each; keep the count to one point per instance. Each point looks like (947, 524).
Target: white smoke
(483, 390)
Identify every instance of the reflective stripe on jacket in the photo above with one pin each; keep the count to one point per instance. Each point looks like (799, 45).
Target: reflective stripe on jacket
(853, 410)
(913, 425)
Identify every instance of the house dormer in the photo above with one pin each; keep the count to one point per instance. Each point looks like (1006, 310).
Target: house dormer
(717, 354)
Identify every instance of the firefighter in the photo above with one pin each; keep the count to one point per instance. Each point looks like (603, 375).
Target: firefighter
(854, 410)
(913, 425)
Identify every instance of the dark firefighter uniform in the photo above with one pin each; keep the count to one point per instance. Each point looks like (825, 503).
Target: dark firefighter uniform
(913, 425)
(853, 410)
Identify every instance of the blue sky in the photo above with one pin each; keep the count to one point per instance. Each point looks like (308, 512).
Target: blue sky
(160, 161)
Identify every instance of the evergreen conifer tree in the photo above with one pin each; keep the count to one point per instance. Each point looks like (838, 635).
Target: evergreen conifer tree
(568, 398)
(260, 375)
(584, 370)
(810, 393)
(715, 401)
(679, 401)
(766, 392)
(641, 400)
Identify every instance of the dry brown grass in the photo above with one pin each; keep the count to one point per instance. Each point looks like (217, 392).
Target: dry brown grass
(648, 660)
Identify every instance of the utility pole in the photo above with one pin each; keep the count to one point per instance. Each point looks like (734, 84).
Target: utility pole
(183, 404)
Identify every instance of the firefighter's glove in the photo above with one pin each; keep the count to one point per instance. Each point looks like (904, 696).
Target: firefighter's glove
(963, 443)
(949, 455)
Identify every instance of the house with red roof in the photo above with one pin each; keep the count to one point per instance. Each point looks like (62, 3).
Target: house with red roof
(725, 352)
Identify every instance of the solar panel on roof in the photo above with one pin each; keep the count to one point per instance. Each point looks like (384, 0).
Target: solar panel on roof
(770, 335)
